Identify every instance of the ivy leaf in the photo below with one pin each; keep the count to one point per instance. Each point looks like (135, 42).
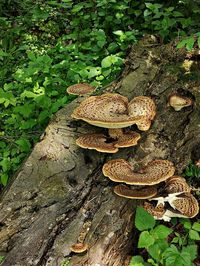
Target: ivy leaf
(145, 240)
(143, 220)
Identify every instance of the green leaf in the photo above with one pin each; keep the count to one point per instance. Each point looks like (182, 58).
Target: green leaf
(157, 249)
(196, 226)
(186, 223)
(136, 261)
(4, 179)
(192, 250)
(194, 235)
(145, 240)
(24, 144)
(162, 231)
(143, 220)
(190, 43)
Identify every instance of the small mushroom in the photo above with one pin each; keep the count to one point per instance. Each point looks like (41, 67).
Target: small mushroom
(80, 89)
(102, 143)
(111, 110)
(178, 101)
(119, 170)
(79, 247)
(143, 108)
(135, 193)
(176, 184)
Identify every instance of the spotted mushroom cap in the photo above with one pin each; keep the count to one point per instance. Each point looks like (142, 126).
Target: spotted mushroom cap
(102, 143)
(144, 108)
(176, 184)
(111, 110)
(119, 170)
(79, 247)
(178, 101)
(135, 193)
(80, 89)
(186, 204)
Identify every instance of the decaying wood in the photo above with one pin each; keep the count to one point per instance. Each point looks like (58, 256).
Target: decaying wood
(60, 186)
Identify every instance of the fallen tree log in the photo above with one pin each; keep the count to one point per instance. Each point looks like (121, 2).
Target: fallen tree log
(60, 186)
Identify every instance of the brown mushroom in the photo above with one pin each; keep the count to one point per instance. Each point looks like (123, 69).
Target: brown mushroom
(80, 89)
(143, 108)
(186, 204)
(135, 193)
(79, 247)
(96, 142)
(111, 110)
(156, 211)
(178, 101)
(176, 184)
(102, 143)
(156, 171)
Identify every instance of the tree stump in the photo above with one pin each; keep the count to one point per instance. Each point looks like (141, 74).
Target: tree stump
(60, 186)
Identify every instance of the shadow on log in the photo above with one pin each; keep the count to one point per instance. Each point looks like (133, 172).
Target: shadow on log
(60, 186)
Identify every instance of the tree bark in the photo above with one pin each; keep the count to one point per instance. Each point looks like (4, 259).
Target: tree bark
(60, 186)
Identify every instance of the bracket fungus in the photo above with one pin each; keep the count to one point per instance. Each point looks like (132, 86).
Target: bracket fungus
(79, 247)
(178, 101)
(157, 171)
(108, 144)
(80, 89)
(156, 211)
(143, 108)
(183, 203)
(111, 110)
(135, 193)
(176, 184)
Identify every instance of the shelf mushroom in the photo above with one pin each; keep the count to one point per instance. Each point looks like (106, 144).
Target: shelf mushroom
(178, 101)
(80, 89)
(108, 144)
(79, 247)
(157, 171)
(111, 110)
(176, 184)
(135, 193)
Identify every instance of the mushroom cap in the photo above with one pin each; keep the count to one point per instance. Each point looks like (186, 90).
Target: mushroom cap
(79, 247)
(144, 108)
(102, 143)
(96, 142)
(157, 211)
(176, 184)
(119, 170)
(178, 101)
(80, 89)
(135, 193)
(111, 110)
(186, 204)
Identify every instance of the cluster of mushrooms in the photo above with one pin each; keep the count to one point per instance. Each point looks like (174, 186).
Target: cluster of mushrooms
(168, 195)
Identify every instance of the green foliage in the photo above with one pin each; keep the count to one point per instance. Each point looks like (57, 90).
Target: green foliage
(192, 170)
(65, 262)
(46, 46)
(1, 259)
(178, 249)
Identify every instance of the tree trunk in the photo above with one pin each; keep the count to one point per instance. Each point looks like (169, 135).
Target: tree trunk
(60, 187)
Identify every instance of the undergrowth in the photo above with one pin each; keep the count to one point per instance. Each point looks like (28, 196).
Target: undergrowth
(45, 46)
